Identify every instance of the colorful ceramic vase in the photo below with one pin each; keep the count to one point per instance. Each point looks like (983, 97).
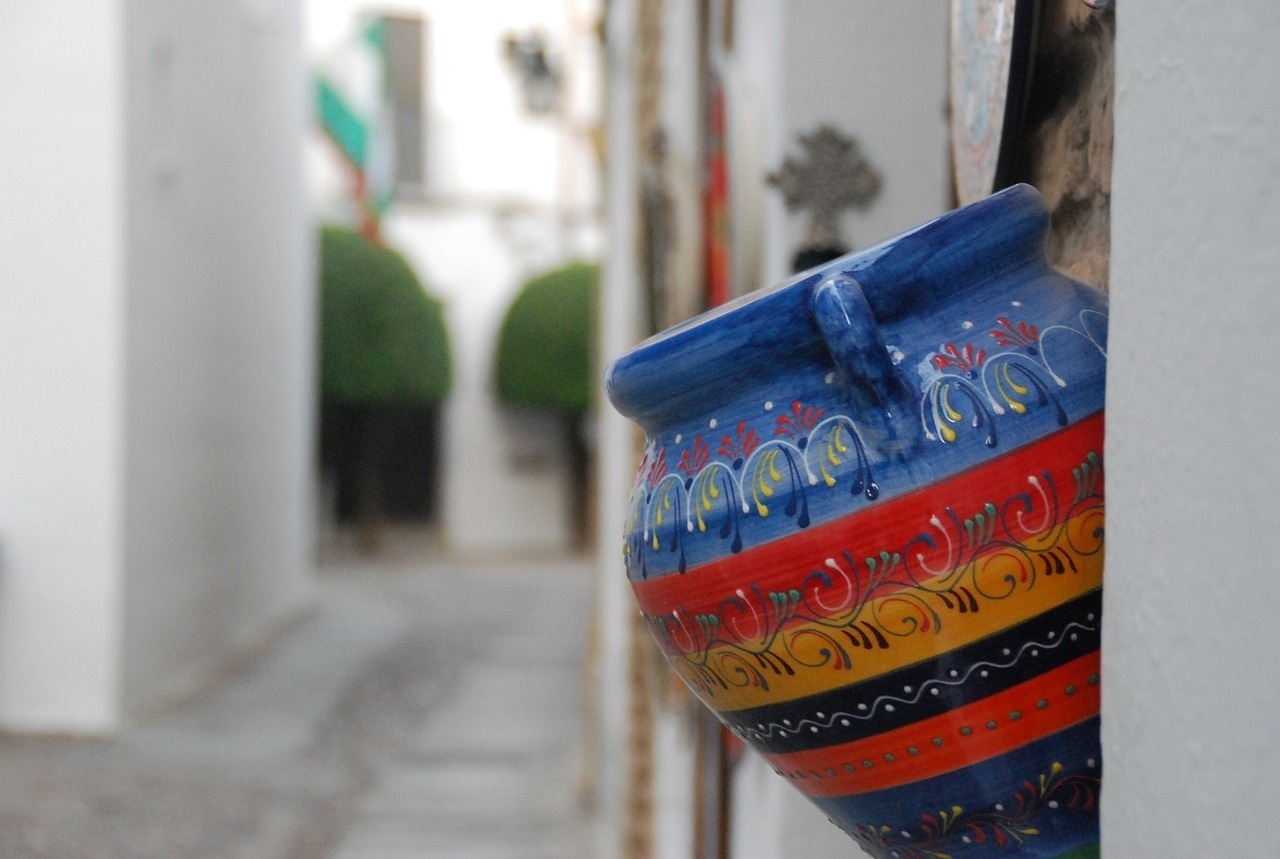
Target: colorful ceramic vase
(867, 532)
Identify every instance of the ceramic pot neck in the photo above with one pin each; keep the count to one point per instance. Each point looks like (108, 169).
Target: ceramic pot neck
(705, 362)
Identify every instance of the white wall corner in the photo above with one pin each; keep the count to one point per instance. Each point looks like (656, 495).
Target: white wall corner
(1190, 634)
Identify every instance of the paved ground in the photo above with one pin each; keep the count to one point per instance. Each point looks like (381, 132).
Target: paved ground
(421, 709)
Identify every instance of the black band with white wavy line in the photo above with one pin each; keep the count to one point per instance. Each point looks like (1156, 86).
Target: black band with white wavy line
(988, 666)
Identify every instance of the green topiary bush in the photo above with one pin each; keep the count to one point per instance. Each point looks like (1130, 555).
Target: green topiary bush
(382, 338)
(546, 346)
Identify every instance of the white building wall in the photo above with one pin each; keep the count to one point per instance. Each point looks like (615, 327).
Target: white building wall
(155, 349)
(877, 72)
(762, 124)
(61, 309)
(1190, 635)
(621, 316)
(219, 324)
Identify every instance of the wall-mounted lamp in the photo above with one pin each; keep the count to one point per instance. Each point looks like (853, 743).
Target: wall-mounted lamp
(539, 77)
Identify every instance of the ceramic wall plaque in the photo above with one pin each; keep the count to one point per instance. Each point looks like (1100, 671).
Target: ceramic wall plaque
(991, 50)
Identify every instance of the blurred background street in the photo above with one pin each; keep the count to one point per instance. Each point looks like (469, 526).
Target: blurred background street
(419, 709)
(310, 494)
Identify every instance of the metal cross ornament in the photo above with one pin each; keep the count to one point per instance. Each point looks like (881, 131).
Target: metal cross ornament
(832, 176)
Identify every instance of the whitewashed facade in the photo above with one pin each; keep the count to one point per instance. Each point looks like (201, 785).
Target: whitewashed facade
(155, 350)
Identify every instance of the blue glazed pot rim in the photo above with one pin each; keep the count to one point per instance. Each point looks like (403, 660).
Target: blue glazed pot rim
(771, 331)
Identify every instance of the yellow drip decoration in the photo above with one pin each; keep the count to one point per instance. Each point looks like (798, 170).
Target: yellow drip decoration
(1019, 389)
(664, 503)
(708, 492)
(941, 402)
(837, 441)
(835, 445)
(952, 415)
(760, 486)
(1014, 404)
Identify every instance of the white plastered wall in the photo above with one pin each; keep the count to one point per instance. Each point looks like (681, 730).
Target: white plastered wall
(1190, 639)
(155, 350)
(621, 316)
(877, 72)
(219, 330)
(61, 305)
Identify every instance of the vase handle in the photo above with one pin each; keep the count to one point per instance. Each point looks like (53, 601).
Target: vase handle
(862, 360)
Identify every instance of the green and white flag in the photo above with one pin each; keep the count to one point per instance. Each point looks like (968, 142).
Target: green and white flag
(352, 100)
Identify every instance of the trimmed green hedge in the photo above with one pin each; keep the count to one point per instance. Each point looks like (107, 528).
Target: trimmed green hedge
(382, 338)
(546, 345)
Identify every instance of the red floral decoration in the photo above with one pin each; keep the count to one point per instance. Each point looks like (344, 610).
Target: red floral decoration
(694, 458)
(965, 360)
(1021, 335)
(800, 422)
(656, 469)
(741, 447)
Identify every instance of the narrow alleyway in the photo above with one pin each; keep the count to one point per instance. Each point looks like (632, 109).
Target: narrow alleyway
(421, 709)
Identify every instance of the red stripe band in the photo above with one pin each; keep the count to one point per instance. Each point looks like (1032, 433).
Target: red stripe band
(785, 563)
(968, 735)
